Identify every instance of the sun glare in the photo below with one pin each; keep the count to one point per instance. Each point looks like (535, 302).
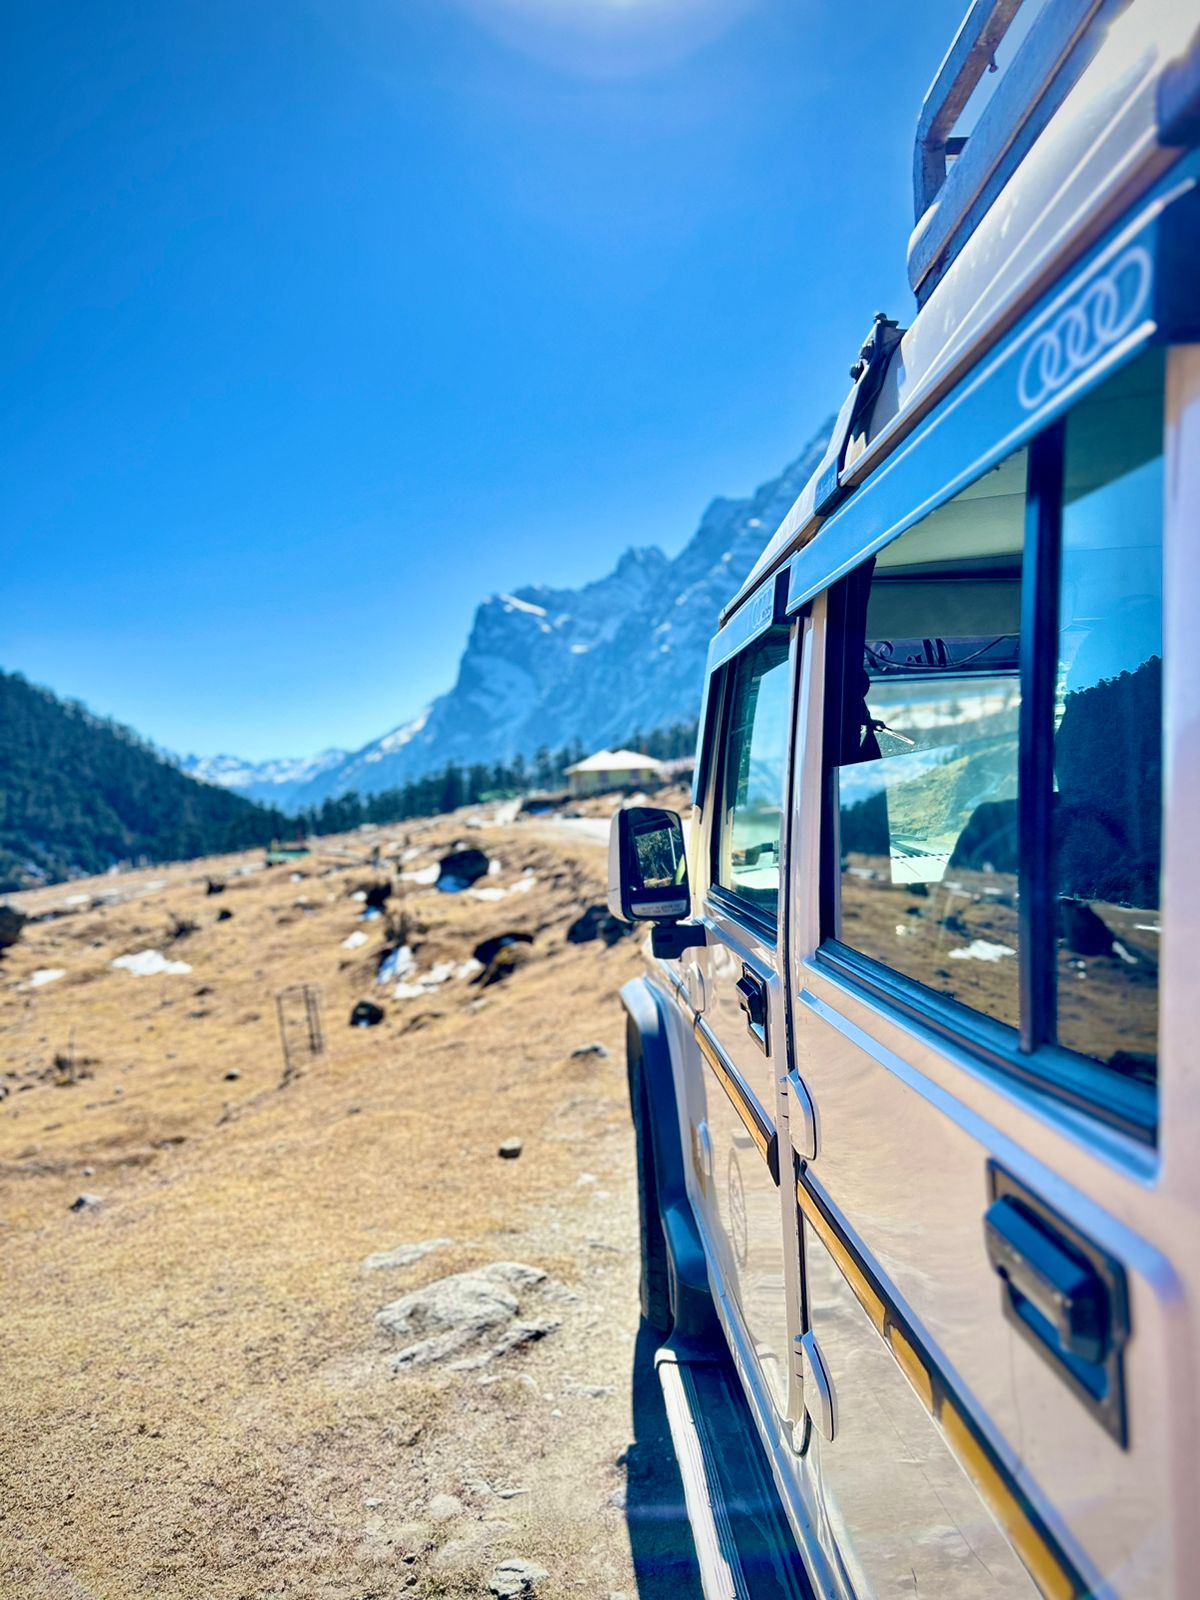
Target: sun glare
(606, 38)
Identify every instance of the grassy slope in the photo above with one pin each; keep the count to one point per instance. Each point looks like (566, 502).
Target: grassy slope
(197, 1401)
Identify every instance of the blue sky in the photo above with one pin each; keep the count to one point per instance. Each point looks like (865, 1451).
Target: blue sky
(323, 319)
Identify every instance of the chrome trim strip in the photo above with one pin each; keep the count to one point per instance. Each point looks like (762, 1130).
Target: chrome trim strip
(757, 1124)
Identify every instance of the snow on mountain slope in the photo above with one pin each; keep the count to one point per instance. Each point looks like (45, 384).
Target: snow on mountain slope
(547, 666)
(275, 782)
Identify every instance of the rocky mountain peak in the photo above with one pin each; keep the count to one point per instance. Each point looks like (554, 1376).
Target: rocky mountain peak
(547, 666)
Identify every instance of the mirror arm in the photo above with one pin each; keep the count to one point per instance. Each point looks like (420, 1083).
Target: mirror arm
(668, 940)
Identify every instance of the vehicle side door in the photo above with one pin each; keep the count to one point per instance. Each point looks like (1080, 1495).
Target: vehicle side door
(993, 1280)
(740, 1023)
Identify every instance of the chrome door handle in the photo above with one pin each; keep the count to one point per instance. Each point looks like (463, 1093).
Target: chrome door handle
(1063, 1293)
(1063, 1289)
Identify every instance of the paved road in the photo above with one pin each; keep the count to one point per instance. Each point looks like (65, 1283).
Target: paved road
(591, 830)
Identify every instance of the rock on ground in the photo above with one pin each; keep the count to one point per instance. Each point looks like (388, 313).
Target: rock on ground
(403, 1255)
(513, 1578)
(473, 1316)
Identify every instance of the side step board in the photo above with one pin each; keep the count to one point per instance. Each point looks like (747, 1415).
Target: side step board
(744, 1545)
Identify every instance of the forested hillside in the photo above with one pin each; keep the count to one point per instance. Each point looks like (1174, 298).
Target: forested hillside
(78, 793)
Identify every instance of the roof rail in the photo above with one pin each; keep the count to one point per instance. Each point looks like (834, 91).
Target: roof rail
(971, 54)
(950, 199)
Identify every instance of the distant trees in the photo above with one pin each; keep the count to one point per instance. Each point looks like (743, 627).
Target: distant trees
(455, 786)
(669, 743)
(80, 793)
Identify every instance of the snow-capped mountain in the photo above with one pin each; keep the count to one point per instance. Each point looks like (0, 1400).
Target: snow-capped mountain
(522, 648)
(547, 666)
(275, 782)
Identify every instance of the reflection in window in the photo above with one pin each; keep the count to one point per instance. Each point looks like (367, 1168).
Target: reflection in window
(755, 763)
(1108, 745)
(927, 798)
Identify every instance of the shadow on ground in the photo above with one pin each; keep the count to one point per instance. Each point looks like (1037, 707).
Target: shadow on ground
(660, 1537)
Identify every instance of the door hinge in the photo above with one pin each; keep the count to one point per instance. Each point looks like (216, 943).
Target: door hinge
(819, 1399)
(801, 1116)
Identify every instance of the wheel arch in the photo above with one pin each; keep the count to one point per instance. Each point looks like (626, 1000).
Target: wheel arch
(647, 1034)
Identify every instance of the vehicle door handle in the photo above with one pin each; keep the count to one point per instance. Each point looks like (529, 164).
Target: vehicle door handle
(752, 998)
(1041, 1271)
(1063, 1294)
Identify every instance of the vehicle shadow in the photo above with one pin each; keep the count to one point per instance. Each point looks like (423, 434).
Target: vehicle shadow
(660, 1537)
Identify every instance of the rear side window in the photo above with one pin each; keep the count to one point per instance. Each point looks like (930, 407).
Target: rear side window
(927, 799)
(1108, 738)
(995, 785)
(752, 774)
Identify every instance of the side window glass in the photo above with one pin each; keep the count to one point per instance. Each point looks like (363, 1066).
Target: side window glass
(1108, 741)
(753, 767)
(926, 793)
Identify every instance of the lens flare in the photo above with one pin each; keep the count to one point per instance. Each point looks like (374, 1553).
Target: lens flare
(606, 38)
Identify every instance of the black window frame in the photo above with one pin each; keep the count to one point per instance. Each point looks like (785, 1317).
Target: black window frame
(747, 912)
(1029, 1053)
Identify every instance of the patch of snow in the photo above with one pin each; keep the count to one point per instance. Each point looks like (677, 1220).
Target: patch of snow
(423, 875)
(399, 737)
(511, 603)
(423, 983)
(45, 975)
(398, 964)
(982, 950)
(522, 886)
(148, 963)
(232, 772)
(354, 942)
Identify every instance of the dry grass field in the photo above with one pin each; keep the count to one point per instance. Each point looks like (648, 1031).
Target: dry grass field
(198, 1400)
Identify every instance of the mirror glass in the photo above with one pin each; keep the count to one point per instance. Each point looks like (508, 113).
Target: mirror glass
(655, 867)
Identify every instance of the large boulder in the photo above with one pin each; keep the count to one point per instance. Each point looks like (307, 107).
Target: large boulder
(469, 1318)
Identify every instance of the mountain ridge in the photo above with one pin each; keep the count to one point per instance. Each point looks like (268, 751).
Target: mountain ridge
(546, 667)
(271, 782)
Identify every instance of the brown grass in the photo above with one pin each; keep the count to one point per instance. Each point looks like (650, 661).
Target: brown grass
(196, 1399)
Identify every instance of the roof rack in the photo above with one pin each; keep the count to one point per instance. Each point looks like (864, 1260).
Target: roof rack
(956, 180)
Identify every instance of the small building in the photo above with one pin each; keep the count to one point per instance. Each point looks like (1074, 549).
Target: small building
(278, 855)
(614, 769)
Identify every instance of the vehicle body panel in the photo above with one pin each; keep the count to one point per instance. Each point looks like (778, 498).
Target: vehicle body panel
(920, 1438)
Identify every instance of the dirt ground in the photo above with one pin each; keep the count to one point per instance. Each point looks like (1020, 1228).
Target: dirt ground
(198, 1400)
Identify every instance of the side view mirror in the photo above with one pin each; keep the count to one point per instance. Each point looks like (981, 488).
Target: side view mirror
(647, 866)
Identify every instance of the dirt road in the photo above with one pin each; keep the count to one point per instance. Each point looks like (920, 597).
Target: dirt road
(201, 1397)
